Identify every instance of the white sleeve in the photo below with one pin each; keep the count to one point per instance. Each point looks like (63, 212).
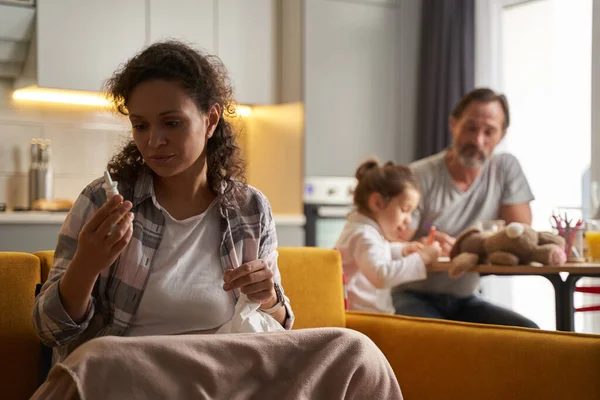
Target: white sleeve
(397, 248)
(516, 189)
(382, 270)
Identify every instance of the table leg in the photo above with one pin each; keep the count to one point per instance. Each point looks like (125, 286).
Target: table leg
(559, 301)
(568, 302)
(563, 297)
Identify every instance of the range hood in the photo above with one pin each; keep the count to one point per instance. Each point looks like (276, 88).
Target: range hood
(17, 25)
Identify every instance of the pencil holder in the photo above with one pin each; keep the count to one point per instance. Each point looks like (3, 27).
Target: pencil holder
(573, 243)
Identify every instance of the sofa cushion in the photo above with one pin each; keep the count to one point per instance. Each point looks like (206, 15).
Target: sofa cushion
(312, 279)
(436, 359)
(46, 258)
(20, 347)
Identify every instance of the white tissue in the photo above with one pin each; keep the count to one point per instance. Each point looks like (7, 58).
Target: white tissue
(247, 319)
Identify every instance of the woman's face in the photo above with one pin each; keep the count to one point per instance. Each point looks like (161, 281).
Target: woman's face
(168, 128)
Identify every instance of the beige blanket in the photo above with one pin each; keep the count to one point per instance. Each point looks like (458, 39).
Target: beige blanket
(325, 363)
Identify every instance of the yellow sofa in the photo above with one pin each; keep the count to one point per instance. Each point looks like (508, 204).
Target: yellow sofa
(432, 359)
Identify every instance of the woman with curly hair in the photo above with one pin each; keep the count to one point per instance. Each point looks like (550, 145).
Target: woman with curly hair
(149, 274)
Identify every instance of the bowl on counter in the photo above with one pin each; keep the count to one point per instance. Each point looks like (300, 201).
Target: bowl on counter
(58, 205)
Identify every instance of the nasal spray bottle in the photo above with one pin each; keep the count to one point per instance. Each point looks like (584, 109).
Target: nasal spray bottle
(109, 186)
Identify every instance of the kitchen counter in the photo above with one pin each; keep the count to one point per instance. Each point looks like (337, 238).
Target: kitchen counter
(31, 231)
(32, 217)
(47, 217)
(290, 219)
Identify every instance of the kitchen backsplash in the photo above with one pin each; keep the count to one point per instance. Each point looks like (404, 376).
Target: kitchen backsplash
(83, 140)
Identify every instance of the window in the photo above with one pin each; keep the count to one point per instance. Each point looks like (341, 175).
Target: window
(544, 67)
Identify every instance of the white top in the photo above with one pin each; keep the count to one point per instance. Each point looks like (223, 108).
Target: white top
(372, 265)
(184, 292)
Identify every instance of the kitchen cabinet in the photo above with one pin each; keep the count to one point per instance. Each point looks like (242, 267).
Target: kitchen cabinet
(29, 231)
(241, 32)
(246, 42)
(192, 21)
(81, 42)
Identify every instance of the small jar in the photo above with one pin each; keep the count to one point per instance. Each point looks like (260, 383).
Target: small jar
(574, 243)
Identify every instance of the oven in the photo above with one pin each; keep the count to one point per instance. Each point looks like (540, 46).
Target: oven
(327, 203)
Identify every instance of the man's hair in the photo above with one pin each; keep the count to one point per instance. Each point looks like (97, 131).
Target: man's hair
(483, 95)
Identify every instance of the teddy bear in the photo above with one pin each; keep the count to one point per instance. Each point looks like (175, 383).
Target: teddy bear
(516, 244)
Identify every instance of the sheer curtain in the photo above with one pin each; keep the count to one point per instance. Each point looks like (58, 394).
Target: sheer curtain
(539, 55)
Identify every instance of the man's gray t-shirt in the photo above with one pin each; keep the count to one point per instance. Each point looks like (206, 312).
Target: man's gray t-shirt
(500, 182)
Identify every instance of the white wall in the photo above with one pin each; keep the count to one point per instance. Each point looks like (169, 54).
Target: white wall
(360, 79)
(82, 142)
(595, 146)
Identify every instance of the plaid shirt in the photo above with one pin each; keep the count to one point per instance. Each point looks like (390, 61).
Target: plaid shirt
(248, 233)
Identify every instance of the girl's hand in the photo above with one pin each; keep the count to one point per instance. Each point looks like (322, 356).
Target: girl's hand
(412, 247)
(431, 253)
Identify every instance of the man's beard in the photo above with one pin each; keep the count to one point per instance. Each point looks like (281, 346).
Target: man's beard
(471, 156)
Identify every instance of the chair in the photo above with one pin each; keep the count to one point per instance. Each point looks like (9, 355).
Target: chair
(591, 290)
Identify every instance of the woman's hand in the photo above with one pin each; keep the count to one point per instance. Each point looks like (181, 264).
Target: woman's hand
(97, 249)
(412, 247)
(255, 280)
(97, 246)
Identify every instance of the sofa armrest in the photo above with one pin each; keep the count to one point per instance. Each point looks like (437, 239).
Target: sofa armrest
(436, 359)
(20, 346)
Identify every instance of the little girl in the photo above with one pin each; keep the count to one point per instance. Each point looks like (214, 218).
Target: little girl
(373, 259)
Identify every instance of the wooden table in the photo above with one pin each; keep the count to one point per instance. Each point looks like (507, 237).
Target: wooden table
(563, 290)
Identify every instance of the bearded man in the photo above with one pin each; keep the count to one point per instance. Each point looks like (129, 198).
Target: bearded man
(462, 185)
